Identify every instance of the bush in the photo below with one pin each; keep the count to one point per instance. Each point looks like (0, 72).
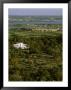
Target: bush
(41, 62)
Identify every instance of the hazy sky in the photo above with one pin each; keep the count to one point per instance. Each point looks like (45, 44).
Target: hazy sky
(32, 11)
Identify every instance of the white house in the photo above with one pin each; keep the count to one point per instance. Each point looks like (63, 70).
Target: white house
(20, 45)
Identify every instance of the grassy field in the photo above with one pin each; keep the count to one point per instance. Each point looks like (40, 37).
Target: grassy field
(42, 61)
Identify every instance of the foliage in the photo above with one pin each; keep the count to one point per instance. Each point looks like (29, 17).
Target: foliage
(41, 62)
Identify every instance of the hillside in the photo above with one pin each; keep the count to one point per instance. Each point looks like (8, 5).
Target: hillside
(42, 61)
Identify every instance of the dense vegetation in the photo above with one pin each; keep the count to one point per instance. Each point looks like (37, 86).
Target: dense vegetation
(42, 61)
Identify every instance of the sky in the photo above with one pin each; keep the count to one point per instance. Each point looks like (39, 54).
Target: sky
(35, 11)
